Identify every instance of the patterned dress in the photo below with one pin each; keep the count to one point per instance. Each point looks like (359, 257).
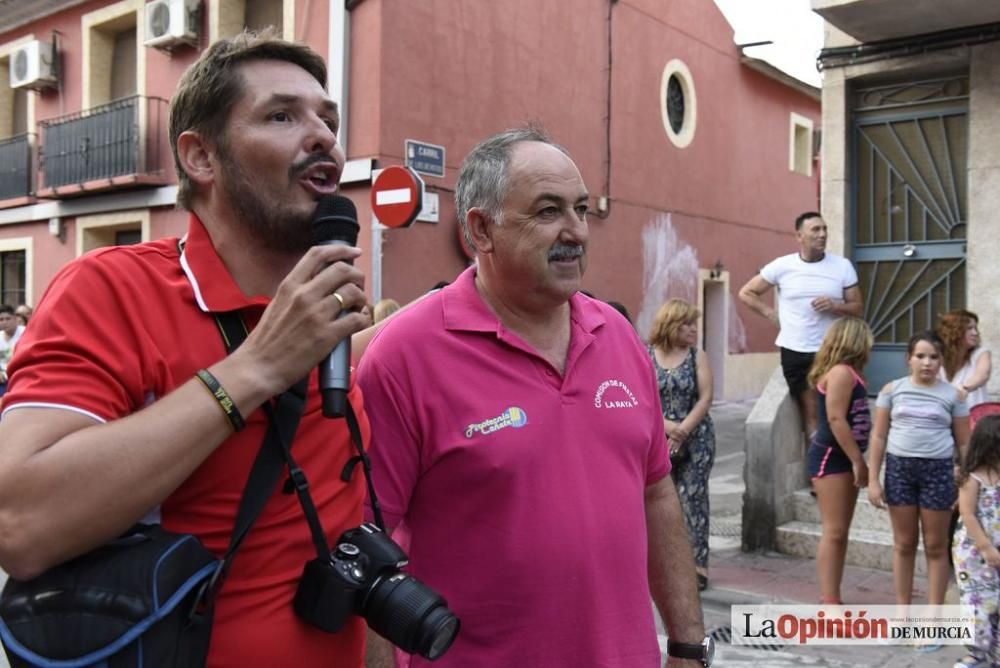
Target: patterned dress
(678, 395)
(978, 582)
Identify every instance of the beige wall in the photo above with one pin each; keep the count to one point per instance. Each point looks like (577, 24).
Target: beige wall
(833, 184)
(984, 197)
(747, 375)
(983, 63)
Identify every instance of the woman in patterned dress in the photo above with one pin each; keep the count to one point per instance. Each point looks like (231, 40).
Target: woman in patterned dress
(685, 382)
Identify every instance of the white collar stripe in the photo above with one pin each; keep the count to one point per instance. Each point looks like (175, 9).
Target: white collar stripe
(191, 277)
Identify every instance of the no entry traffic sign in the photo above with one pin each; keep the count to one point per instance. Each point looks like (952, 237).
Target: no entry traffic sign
(397, 196)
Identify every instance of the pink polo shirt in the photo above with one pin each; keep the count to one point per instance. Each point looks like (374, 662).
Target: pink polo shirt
(523, 489)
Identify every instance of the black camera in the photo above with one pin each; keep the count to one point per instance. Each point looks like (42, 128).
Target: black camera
(362, 577)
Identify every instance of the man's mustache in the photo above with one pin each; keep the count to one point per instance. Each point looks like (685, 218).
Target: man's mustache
(565, 252)
(309, 161)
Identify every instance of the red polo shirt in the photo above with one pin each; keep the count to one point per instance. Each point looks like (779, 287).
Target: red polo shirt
(123, 326)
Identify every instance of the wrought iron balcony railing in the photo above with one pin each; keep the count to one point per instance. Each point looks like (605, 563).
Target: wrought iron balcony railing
(114, 144)
(15, 167)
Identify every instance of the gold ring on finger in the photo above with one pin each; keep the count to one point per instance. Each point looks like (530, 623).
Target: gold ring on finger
(340, 299)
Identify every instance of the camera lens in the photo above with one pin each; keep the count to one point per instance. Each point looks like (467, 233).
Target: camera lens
(445, 630)
(410, 615)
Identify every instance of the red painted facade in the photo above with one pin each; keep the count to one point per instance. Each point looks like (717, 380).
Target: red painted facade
(453, 77)
(453, 73)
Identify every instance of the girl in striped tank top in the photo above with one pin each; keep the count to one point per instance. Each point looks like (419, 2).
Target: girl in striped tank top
(836, 452)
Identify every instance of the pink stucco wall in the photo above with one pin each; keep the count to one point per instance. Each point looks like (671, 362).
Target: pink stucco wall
(453, 73)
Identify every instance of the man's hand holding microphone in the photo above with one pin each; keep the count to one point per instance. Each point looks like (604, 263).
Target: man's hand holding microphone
(312, 317)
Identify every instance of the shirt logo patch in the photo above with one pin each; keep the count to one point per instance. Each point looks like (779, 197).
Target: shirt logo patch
(619, 395)
(512, 417)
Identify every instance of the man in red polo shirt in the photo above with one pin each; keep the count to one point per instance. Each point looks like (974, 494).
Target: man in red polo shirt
(104, 427)
(520, 441)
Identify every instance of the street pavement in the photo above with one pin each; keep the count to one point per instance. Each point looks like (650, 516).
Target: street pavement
(737, 578)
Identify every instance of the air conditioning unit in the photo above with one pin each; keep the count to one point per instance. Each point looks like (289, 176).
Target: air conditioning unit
(33, 65)
(172, 23)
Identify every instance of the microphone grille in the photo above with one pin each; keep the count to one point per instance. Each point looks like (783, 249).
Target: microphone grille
(335, 219)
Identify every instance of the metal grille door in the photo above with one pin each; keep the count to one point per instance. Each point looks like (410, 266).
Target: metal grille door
(910, 208)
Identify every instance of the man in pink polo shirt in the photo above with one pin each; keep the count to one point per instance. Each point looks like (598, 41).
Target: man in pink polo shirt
(517, 435)
(105, 426)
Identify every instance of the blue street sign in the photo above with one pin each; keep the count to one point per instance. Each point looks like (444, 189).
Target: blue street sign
(425, 158)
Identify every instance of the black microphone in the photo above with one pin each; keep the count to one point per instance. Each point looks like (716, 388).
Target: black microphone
(335, 221)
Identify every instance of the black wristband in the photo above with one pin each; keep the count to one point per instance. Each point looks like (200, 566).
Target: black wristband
(226, 402)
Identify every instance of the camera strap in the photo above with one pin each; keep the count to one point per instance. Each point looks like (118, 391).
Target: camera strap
(301, 485)
(366, 466)
(284, 413)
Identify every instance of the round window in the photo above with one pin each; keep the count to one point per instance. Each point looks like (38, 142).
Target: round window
(675, 104)
(678, 104)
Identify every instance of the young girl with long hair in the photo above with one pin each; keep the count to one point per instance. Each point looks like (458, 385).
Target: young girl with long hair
(836, 452)
(977, 560)
(919, 422)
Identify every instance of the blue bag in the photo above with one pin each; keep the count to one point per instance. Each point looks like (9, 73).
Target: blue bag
(132, 602)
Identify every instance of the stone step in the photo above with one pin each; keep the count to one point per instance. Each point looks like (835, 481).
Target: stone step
(867, 548)
(866, 516)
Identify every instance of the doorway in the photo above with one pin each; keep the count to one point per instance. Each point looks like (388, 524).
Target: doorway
(715, 331)
(909, 213)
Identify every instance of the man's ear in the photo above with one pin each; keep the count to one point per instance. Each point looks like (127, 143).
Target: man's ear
(480, 226)
(196, 157)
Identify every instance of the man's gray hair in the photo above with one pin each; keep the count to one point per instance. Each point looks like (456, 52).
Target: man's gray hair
(485, 174)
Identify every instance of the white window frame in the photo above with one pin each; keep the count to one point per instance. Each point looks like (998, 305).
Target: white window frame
(227, 18)
(89, 228)
(25, 244)
(795, 122)
(97, 61)
(678, 68)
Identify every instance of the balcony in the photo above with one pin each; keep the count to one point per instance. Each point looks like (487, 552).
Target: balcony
(15, 170)
(16, 13)
(878, 20)
(110, 147)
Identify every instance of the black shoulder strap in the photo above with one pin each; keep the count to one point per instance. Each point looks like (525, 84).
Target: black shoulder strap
(284, 415)
(283, 419)
(366, 465)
